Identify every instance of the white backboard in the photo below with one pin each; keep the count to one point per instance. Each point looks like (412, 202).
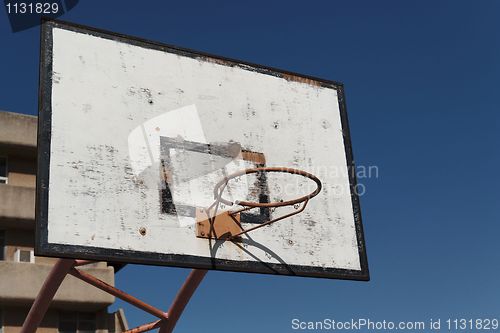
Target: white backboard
(134, 135)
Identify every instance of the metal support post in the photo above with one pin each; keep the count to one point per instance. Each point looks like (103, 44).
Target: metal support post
(46, 294)
(63, 267)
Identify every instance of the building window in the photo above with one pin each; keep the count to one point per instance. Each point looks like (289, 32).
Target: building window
(2, 247)
(3, 170)
(24, 255)
(86, 323)
(77, 322)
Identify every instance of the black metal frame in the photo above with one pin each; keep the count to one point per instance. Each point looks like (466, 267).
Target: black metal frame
(44, 248)
(167, 204)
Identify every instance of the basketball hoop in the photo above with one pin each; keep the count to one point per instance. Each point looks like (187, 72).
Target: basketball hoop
(248, 205)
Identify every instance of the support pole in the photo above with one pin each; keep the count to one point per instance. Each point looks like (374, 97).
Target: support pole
(63, 267)
(145, 328)
(93, 281)
(181, 300)
(46, 294)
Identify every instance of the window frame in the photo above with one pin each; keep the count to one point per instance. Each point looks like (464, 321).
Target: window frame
(3, 244)
(76, 316)
(17, 256)
(5, 179)
(1, 320)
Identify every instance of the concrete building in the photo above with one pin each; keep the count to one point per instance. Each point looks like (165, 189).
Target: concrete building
(77, 307)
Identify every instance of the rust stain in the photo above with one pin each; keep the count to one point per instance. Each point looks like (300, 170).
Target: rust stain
(216, 61)
(288, 77)
(300, 79)
(223, 225)
(252, 156)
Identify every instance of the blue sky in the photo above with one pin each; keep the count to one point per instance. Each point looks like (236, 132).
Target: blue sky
(422, 84)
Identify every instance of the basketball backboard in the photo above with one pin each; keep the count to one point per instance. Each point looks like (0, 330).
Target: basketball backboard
(145, 151)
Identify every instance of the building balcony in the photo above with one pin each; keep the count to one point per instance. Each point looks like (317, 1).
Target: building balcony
(18, 133)
(17, 208)
(21, 282)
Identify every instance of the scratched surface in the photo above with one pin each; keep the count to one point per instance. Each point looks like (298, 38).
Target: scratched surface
(111, 103)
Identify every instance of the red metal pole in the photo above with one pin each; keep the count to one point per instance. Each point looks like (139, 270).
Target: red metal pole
(46, 294)
(80, 262)
(145, 327)
(92, 280)
(67, 266)
(181, 300)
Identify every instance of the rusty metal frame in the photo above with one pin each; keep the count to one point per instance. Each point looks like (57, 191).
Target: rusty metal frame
(245, 231)
(218, 190)
(166, 322)
(298, 203)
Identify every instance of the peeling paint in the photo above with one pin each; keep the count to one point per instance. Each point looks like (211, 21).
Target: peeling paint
(291, 120)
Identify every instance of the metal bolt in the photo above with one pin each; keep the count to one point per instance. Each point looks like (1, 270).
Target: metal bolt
(142, 231)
